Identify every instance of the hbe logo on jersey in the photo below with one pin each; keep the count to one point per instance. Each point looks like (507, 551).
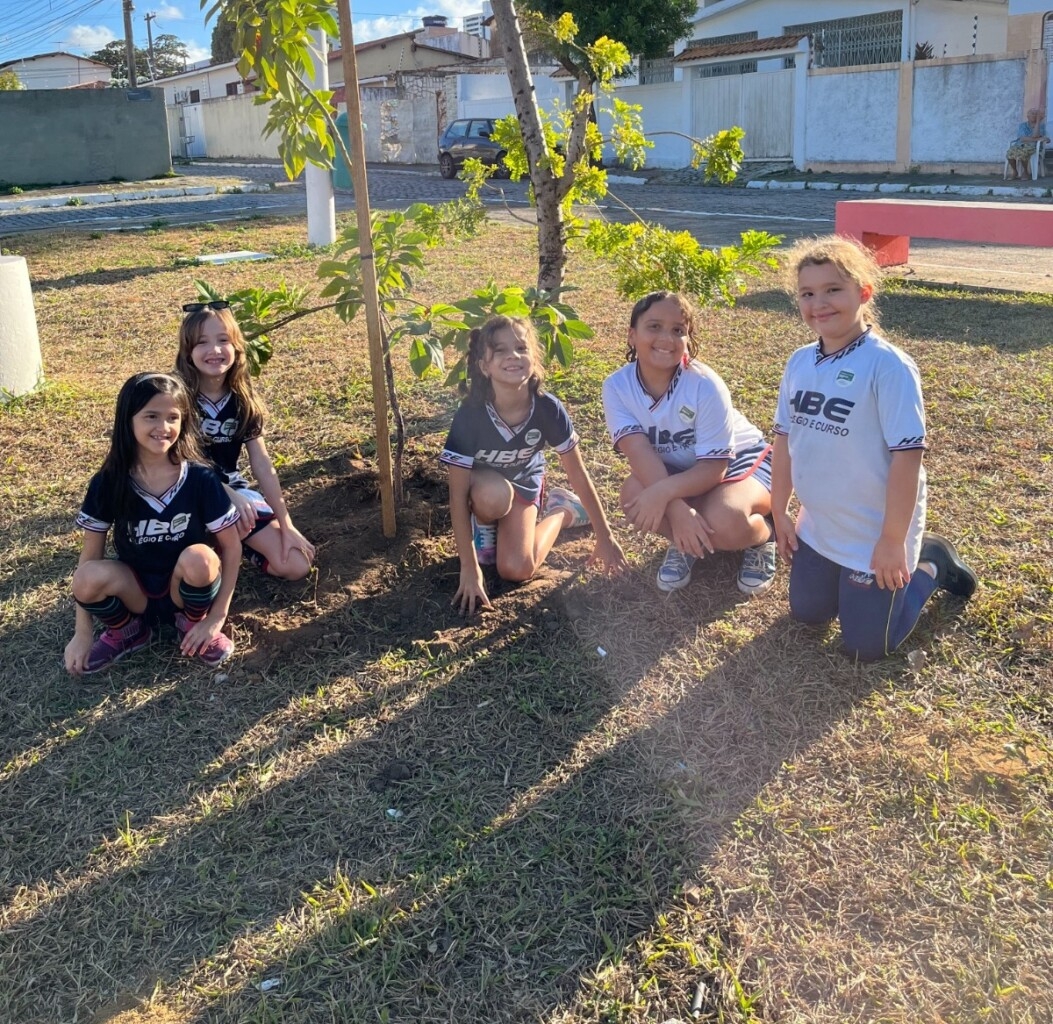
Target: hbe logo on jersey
(149, 531)
(831, 410)
(219, 428)
(682, 438)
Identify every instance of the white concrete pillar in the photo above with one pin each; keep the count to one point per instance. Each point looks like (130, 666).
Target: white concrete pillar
(321, 206)
(21, 368)
(800, 104)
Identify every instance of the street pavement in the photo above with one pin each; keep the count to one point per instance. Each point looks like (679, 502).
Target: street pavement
(715, 215)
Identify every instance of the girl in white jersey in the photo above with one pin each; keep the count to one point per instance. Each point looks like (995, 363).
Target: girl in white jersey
(849, 439)
(699, 470)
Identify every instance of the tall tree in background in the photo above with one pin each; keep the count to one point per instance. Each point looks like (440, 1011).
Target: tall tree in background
(648, 28)
(170, 58)
(223, 48)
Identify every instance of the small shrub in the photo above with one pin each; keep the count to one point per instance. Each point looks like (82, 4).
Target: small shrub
(75, 201)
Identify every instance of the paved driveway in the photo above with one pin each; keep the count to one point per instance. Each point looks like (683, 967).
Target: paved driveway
(716, 216)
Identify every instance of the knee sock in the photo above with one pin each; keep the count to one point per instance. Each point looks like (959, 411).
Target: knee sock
(198, 600)
(112, 612)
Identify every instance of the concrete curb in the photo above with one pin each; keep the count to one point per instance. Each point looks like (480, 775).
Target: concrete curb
(1031, 191)
(16, 204)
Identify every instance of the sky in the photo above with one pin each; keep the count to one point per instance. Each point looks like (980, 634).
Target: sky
(28, 27)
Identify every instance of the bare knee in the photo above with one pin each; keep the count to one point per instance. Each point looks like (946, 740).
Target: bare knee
(199, 565)
(732, 529)
(515, 568)
(294, 567)
(90, 581)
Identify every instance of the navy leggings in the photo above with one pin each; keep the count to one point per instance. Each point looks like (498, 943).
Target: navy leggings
(874, 622)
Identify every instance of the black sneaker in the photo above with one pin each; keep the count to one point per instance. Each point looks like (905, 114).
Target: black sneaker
(952, 574)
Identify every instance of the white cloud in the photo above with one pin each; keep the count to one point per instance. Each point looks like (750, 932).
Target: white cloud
(195, 53)
(169, 12)
(378, 28)
(88, 38)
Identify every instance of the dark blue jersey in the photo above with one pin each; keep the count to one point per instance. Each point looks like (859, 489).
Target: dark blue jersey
(219, 425)
(161, 527)
(479, 437)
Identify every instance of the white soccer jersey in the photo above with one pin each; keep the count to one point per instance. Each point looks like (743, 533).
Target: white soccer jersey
(844, 415)
(693, 420)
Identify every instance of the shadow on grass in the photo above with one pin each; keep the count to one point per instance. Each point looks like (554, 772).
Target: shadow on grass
(550, 807)
(1008, 321)
(102, 276)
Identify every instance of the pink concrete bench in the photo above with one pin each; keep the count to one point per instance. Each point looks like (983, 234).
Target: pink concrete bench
(886, 226)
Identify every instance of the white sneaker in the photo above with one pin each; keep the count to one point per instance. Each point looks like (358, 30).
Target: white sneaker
(757, 572)
(675, 570)
(560, 498)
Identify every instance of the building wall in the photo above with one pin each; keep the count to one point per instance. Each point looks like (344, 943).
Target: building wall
(850, 114)
(980, 130)
(664, 109)
(233, 128)
(948, 26)
(72, 136)
(490, 95)
(58, 71)
(915, 114)
(210, 82)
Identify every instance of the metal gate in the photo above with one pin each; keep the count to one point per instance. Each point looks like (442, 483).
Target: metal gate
(761, 104)
(192, 131)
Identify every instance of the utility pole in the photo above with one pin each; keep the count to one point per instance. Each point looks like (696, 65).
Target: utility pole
(129, 44)
(150, 46)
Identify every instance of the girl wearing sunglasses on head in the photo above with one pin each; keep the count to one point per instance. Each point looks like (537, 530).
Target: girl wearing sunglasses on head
(213, 363)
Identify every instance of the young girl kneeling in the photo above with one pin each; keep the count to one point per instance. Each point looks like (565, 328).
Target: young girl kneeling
(496, 462)
(213, 363)
(167, 510)
(699, 470)
(849, 439)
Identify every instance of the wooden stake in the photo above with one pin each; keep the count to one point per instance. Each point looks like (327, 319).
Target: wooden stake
(374, 330)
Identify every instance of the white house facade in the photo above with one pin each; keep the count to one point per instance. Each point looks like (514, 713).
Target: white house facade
(59, 71)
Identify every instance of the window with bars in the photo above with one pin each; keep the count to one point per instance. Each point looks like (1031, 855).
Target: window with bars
(732, 37)
(1047, 36)
(656, 70)
(866, 39)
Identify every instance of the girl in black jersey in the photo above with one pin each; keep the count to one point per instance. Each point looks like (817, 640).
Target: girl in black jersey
(495, 456)
(213, 363)
(173, 530)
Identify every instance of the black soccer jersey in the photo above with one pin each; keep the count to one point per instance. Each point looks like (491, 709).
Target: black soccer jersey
(478, 436)
(193, 508)
(219, 423)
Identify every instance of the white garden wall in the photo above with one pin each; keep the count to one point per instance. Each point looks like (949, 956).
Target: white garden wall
(850, 114)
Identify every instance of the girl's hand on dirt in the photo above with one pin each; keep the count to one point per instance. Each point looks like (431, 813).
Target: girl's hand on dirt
(200, 635)
(889, 564)
(785, 535)
(691, 533)
(609, 555)
(471, 593)
(77, 651)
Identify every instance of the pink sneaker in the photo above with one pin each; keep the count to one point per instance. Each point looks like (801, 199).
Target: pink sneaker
(217, 652)
(114, 644)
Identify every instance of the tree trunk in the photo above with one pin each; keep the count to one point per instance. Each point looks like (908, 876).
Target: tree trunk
(551, 234)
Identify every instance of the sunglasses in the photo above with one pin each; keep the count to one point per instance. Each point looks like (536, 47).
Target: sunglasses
(196, 307)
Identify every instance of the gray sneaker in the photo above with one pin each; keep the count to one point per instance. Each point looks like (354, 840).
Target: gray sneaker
(757, 572)
(675, 570)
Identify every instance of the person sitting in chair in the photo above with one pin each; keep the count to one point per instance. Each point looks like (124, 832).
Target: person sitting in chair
(1022, 147)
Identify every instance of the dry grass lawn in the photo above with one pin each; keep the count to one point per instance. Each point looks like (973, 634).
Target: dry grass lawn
(394, 815)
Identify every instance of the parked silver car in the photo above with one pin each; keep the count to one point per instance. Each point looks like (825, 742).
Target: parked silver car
(466, 138)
